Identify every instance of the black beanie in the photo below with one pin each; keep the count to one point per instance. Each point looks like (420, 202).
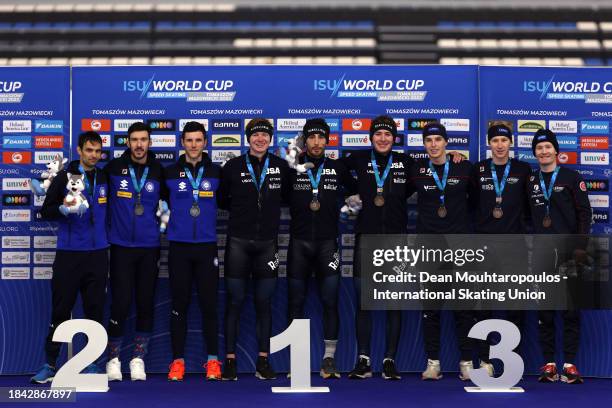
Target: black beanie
(434, 128)
(544, 135)
(259, 125)
(314, 126)
(383, 122)
(499, 130)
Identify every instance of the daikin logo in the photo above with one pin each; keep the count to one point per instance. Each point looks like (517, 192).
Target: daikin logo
(152, 88)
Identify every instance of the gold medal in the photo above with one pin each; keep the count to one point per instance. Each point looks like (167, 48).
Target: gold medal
(498, 212)
(379, 200)
(442, 211)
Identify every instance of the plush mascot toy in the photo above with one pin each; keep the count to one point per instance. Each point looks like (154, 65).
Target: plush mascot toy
(55, 166)
(163, 212)
(295, 147)
(76, 200)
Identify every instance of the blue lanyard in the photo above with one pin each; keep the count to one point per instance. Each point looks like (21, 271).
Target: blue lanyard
(195, 183)
(500, 188)
(441, 185)
(138, 186)
(548, 192)
(380, 181)
(315, 182)
(90, 192)
(262, 176)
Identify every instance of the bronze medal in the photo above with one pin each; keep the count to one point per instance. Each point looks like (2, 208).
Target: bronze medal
(442, 211)
(315, 205)
(194, 211)
(139, 208)
(379, 200)
(498, 212)
(547, 221)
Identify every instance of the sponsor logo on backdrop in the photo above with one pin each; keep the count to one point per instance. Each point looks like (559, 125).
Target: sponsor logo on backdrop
(16, 242)
(332, 154)
(16, 273)
(527, 156)
(46, 157)
(597, 185)
(8, 92)
(599, 200)
(455, 140)
(530, 125)
(568, 142)
(15, 257)
(16, 200)
(16, 157)
(17, 126)
(121, 140)
(226, 140)
(49, 126)
(16, 142)
(122, 125)
(334, 140)
(399, 140)
(456, 125)
(97, 125)
(567, 158)
(283, 139)
(601, 217)
(563, 126)
(214, 90)
(226, 125)
(48, 142)
(16, 216)
(42, 272)
(356, 140)
(417, 155)
(104, 155)
(594, 142)
(356, 125)
(16, 184)
(163, 140)
(43, 242)
(594, 127)
(334, 124)
(415, 139)
(595, 159)
(44, 257)
(164, 155)
(220, 156)
(419, 124)
(183, 122)
(290, 124)
(163, 125)
(381, 89)
(524, 142)
(117, 153)
(106, 140)
(400, 123)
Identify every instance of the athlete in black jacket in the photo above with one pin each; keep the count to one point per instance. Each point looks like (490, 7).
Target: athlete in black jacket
(252, 187)
(315, 202)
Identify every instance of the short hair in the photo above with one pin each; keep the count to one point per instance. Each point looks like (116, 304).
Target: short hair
(138, 127)
(91, 137)
(193, 126)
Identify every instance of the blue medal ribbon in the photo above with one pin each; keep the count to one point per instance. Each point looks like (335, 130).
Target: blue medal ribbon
(548, 191)
(315, 182)
(380, 181)
(441, 184)
(143, 179)
(90, 192)
(195, 184)
(262, 176)
(499, 187)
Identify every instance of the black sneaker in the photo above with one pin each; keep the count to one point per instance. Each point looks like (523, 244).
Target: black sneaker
(362, 370)
(571, 375)
(389, 372)
(230, 370)
(263, 369)
(328, 369)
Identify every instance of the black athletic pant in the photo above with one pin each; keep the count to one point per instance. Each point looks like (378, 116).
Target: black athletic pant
(571, 334)
(74, 272)
(322, 256)
(133, 271)
(188, 263)
(464, 320)
(245, 258)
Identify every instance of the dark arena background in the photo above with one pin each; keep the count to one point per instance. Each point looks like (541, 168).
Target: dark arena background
(480, 61)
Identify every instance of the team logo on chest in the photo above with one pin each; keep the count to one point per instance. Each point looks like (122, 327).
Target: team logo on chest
(149, 187)
(206, 185)
(102, 191)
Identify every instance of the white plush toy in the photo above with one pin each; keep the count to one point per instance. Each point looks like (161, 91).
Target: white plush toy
(163, 212)
(352, 207)
(53, 167)
(295, 147)
(75, 198)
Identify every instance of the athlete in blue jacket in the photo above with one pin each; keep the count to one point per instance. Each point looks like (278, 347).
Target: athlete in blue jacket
(81, 259)
(192, 184)
(135, 187)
